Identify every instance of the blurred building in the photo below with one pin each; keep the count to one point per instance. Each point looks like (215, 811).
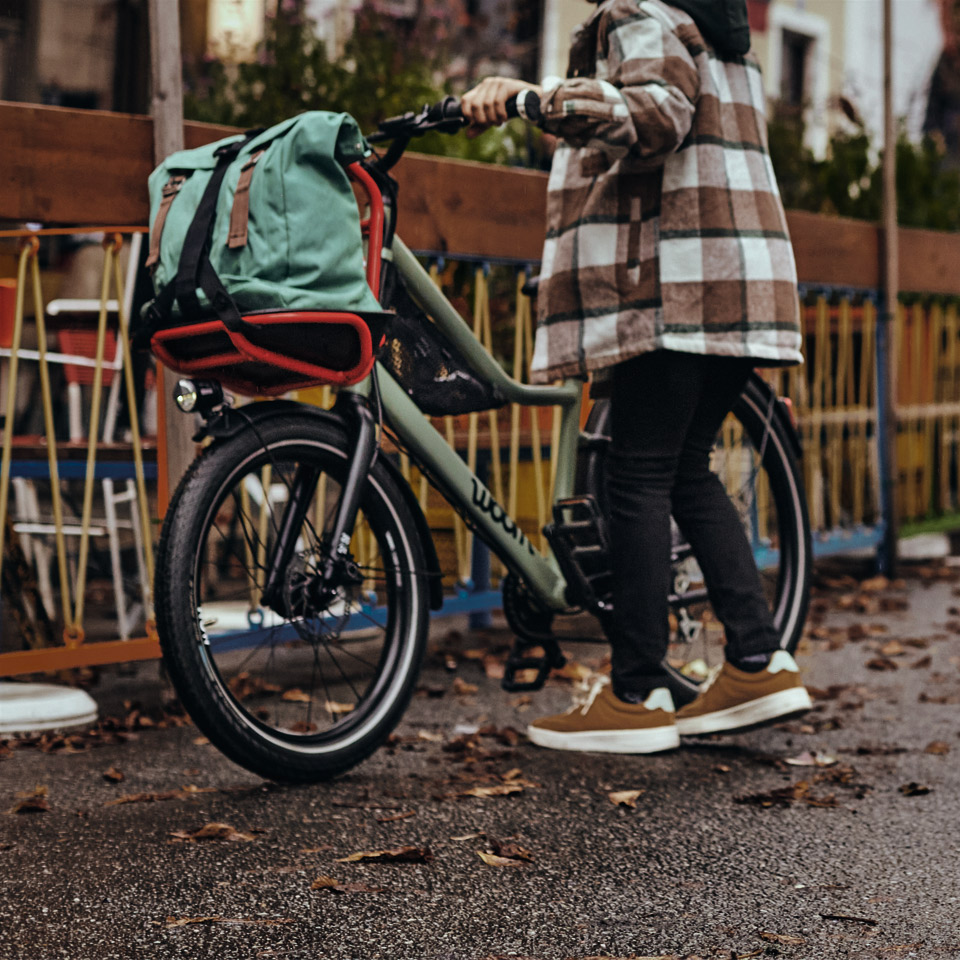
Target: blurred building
(90, 54)
(821, 58)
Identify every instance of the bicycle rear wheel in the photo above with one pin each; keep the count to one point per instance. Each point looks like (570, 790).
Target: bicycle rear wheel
(756, 458)
(308, 686)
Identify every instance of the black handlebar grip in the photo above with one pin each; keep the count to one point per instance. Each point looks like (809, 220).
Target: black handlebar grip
(525, 104)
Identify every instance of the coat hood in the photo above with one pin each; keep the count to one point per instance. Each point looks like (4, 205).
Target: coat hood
(723, 23)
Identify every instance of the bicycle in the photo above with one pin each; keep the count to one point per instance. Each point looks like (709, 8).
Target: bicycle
(296, 570)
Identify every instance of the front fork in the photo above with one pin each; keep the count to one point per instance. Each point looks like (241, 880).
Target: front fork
(357, 412)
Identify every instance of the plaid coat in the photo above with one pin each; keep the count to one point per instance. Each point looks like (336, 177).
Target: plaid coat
(665, 226)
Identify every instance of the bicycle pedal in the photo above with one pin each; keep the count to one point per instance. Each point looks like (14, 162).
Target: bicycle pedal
(519, 660)
(578, 536)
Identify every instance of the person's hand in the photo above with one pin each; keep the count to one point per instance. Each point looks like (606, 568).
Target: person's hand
(485, 105)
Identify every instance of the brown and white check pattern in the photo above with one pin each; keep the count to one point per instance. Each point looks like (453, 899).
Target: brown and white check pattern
(665, 228)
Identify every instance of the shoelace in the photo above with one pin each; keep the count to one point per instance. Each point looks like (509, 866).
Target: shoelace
(583, 700)
(711, 676)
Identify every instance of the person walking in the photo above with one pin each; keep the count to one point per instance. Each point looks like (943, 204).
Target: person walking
(668, 273)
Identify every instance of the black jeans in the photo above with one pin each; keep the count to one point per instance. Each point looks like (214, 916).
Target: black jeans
(666, 411)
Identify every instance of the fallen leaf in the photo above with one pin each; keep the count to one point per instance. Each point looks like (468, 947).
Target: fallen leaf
(296, 695)
(881, 663)
(494, 861)
(787, 939)
(113, 775)
(572, 671)
(856, 631)
(893, 648)
(494, 790)
(200, 741)
(808, 759)
(721, 768)
(33, 801)
(337, 708)
(511, 850)
(335, 886)
(875, 584)
(430, 737)
(913, 789)
(784, 796)
(396, 855)
(214, 831)
(843, 916)
(922, 663)
(470, 836)
(625, 798)
(397, 816)
(462, 688)
(937, 747)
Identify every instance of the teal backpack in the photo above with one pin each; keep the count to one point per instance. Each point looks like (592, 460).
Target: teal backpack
(253, 239)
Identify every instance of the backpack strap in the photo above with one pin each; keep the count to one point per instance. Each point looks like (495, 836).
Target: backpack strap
(195, 252)
(170, 190)
(240, 214)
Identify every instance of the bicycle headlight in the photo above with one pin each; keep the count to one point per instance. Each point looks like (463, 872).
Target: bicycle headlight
(198, 396)
(185, 395)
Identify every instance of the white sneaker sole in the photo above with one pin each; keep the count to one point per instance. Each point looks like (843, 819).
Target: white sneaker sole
(652, 740)
(774, 706)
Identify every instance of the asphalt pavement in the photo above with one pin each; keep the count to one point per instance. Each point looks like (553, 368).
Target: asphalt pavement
(729, 849)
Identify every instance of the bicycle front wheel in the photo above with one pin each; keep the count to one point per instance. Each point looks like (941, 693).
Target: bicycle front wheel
(307, 686)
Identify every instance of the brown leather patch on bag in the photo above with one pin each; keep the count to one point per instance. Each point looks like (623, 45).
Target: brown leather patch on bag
(240, 214)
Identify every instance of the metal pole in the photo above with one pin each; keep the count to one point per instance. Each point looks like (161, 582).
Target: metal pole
(891, 275)
(175, 448)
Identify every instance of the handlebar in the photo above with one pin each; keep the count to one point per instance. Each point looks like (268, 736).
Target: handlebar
(446, 116)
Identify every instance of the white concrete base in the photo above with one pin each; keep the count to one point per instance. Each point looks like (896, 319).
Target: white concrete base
(28, 707)
(924, 546)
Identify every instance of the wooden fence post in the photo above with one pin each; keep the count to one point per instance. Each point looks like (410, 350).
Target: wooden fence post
(175, 449)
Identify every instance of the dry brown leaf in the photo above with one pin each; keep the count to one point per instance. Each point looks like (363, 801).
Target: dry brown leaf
(113, 775)
(787, 939)
(784, 796)
(913, 789)
(847, 917)
(296, 695)
(200, 742)
(494, 861)
(922, 663)
(337, 708)
(335, 886)
(214, 831)
(875, 584)
(430, 737)
(32, 801)
(937, 747)
(893, 648)
(493, 667)
(573, 671)
(397, 816)
(396, 855)
(625, 798)
(494, 790)
(511, 850)
(470, 836)
(881, 663)
(322, 882)
(462, 688)
(808, 759)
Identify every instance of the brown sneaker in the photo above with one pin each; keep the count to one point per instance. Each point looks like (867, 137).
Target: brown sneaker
(732, 699)
(604, 724)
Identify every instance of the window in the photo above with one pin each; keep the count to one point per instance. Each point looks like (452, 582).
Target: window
(793, 68)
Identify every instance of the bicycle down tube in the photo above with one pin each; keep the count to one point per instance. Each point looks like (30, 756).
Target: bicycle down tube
(444, 465)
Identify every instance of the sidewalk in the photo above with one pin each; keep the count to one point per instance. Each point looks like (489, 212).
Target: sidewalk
(733, 847)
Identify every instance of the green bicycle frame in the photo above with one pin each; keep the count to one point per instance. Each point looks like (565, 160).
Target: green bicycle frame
(446, 468)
